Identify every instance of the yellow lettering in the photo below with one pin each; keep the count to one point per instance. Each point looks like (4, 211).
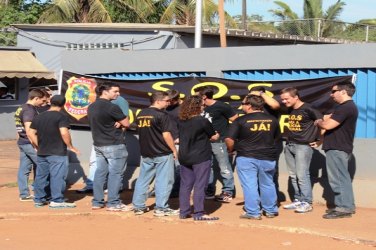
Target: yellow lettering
(131, 115)
(222, 89)
(284, 122)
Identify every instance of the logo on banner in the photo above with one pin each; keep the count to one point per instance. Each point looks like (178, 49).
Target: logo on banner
(79, 95)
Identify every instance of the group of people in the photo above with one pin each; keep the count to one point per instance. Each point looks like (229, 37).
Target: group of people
(183, 141)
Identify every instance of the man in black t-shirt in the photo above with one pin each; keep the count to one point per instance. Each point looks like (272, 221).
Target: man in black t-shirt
(301, 137)
(157, 156)
(49, 132)
(106, 122)
(338, 145)
(219, 114)
(28, 154)
(254, 136)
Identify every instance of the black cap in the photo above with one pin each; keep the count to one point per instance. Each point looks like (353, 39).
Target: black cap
(57, 101)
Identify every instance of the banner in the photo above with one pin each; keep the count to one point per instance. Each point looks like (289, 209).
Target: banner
(79, 92)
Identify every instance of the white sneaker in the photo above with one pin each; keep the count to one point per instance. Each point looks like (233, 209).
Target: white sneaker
(294, 205)
(60, 205)
(304, 207)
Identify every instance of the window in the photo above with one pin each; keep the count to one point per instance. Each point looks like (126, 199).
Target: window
(8, 89)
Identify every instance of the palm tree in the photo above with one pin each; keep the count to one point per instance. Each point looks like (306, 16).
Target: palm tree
(312, 10)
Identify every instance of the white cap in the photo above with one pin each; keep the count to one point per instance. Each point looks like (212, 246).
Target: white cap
(2, 85)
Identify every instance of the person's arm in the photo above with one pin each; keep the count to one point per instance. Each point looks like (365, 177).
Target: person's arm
(270, 101)
(327, 124)
(230, 144)
(124, 123)
(68, 140)
(32, 135)
(170, 142)
(233, 118)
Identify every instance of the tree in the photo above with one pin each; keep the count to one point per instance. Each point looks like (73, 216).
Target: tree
(313, 11)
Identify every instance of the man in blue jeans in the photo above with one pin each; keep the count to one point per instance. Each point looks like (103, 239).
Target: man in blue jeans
(219, 114)
(109, 146)
(28, 154)
(301, 137)
(49, 132)
(338, 145)
(157, 156)
(254, 136)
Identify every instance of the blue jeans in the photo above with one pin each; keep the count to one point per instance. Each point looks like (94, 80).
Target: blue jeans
(92, 169)
(111, 164)
(162, 168)
(337, 163)
(56, 167)
(255, 175)
(219, 150)
(298, 158)
(28, 161)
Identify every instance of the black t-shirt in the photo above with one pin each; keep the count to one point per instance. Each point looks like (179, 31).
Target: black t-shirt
(24, 113)
(102, 116)
(255, 135)
(173, 113)
(194, 135)
(220, 113)
(151, 123)
(342, 137)
(301, 124)
(48, 126)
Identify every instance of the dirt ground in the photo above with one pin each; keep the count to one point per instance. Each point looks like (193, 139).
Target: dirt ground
(24, 227)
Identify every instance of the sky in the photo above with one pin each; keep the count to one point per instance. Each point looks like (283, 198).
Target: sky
(354, 10)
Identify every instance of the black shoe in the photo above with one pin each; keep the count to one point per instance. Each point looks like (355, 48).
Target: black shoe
(337, 215)
(269, 215)
(84, 191)
(331, 210)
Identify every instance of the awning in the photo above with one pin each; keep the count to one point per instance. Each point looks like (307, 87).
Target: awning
(22, 64)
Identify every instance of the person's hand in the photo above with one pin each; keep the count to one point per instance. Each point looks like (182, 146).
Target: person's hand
(117, 125)
(317, 122)
(215, 137)
(75, 150)
(315, 144)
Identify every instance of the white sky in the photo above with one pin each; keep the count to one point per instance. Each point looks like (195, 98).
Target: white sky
(354, 10)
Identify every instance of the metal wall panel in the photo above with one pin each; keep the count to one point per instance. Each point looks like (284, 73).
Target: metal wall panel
(146, 76)
(365, 96)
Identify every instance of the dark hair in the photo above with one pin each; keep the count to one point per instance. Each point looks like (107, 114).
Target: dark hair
(158, 96)
(173, 94)
(45, 91)
(256, 102)
(205, 90)
(190, 107)
(291, 90)
(257, 88)
(34, 93)
(58, 101)
(105, 86)
(348, 86)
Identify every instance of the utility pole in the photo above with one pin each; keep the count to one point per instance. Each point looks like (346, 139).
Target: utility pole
(198, 24)
(222, 28)
(244, 14)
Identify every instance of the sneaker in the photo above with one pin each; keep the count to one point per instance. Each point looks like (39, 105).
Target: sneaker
(250, 217)
(209, 196)
(269, 215)
(120, 208)
(224, 197)
(27, 198)
(166, 212)
(97, 207)
(332, 210)
(304, 207)
(85, 190)
(139, 211)
(294, 205)
(60, 205)
(40, 204)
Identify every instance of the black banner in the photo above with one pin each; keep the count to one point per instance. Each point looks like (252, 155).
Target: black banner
(79, 92)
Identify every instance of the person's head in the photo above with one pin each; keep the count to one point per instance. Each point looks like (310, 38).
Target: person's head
(342, 91)
(290, 97)
(160, 99)
(108, 90)
(37, 97)
(253, 103)
(174, 96)
(3, 90)
(192, 106)
(58, 101)
(47, 94)
(205, 92)
(257, 88)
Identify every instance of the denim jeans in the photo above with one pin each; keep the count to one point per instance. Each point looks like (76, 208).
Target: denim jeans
(55, 167)
(298, 158)
(255, 175)
(92, 169)
(337, 163)
(162, 168)
(111, 164)
(219, 150)
(28, 161)
(193, 177)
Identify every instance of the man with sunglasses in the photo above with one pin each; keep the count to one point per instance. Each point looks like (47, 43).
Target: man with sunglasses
(338, 145)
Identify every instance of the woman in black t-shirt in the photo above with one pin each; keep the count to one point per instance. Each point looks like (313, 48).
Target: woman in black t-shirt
(195, 156)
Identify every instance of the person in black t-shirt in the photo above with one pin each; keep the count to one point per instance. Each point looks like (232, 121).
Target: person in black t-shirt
(49, 132)
(28, 154)
(195, 155)
(157, 156)
(219, 114)
(301, 137)
(338, 145)
(253, 137)
(107, 122)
